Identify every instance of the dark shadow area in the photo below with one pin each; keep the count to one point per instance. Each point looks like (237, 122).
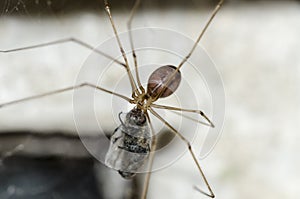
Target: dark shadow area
(60, 7)
(55, 165)
(47, 178)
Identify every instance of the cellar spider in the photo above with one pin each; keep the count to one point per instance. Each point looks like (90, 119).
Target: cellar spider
(133, 141)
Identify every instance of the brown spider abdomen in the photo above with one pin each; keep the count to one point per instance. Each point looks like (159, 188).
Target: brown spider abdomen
(158, 80)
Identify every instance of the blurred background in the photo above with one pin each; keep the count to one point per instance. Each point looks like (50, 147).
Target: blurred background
(254, 45)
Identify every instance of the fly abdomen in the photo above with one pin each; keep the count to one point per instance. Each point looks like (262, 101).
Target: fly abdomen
(130, 144)
(135, 144)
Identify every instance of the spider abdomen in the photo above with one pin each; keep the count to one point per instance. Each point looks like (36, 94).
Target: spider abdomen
(163, 82)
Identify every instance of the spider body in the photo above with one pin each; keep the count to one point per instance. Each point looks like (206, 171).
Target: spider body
(130, 144)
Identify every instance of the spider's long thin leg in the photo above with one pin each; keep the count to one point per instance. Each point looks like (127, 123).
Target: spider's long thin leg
(215, 11)
(210, 194)
(129, 23)
(11, 152)
(190, 118)
(64, 90)
(132, 82)
(60, 41)
(151, 158)
(184, 110)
